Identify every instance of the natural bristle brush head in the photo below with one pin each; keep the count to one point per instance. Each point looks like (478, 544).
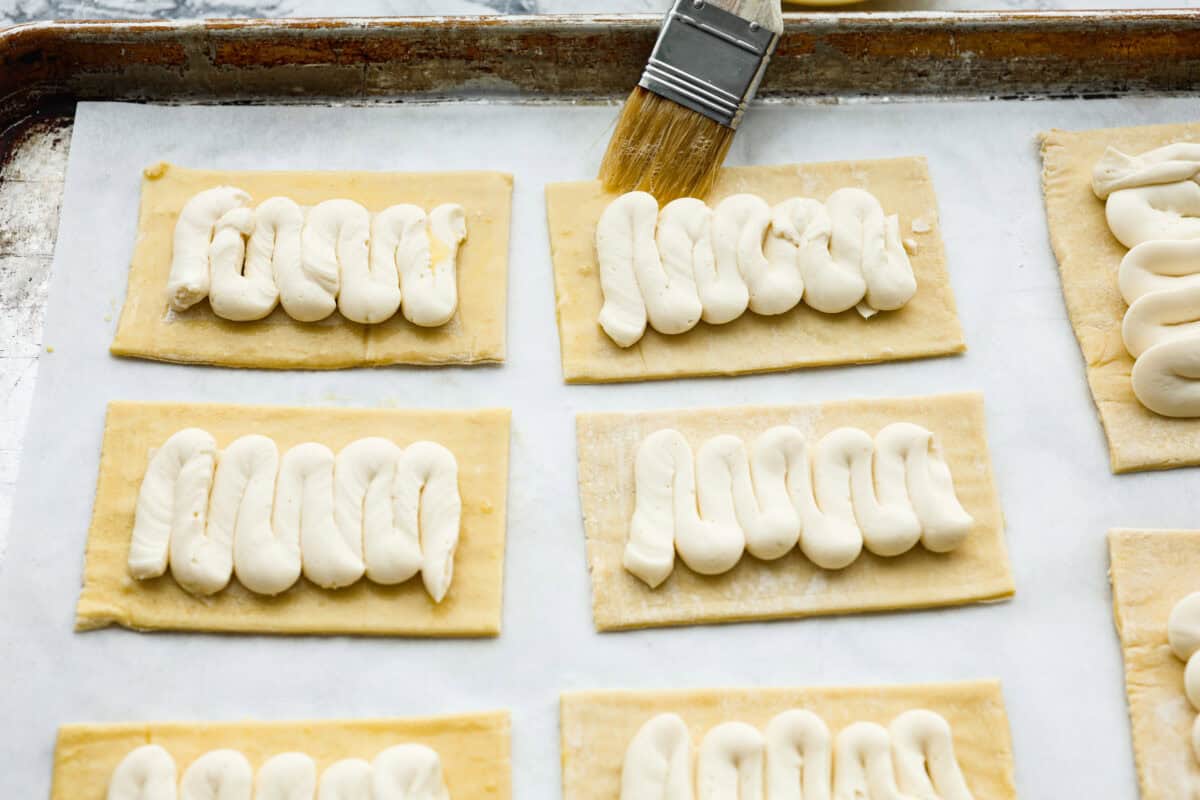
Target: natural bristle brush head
(665, 149)
(676, 127)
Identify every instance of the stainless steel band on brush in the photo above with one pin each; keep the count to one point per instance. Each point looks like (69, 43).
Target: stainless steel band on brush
(709, 60)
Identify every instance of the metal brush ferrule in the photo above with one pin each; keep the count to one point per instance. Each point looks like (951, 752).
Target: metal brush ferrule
(709, 60)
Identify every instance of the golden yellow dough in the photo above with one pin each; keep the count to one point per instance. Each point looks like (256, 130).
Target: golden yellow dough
(791, 586)
(148, 329)
(474, 748)
(926, 326)
(598, 726)
(1151, 571)
(1088, 257)
(478, 439)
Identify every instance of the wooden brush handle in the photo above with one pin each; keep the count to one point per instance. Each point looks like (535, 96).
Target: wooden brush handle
(767, 13)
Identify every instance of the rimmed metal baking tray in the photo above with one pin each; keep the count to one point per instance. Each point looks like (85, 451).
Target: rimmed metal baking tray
(827, 58)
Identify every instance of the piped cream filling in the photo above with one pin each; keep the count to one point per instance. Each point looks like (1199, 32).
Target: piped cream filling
(374, 509)
(687, 262)
(852, 491)
(1183, 634)
(335, 255)
(1153, 207)
(403, 772)
(796, 758)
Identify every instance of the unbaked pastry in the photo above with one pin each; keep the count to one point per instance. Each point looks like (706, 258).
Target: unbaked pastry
(791, 586)
(1088, 258)
(476, 332)
(1151, 571)
(927, 326)
(478, 440)
(474, 748)
(596, 727)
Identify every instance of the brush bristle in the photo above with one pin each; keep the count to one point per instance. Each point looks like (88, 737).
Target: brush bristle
(665, 149)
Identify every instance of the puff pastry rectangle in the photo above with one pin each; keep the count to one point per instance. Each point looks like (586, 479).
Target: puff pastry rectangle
(597, 726)
(478, 439)
(474, 748)
(927, 326)
(1088, 256)
(791, 586)
(197, 336)
(1151, 571)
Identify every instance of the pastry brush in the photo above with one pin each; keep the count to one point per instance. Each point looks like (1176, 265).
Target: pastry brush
(676, 127)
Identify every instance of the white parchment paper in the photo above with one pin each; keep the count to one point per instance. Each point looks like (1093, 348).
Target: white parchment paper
(1053, 646)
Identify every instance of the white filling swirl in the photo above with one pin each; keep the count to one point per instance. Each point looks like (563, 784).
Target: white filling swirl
(428, 264)
(658, 761)
(730, 766)
(402, 772)
(333, 239)
(1183, 635)
(863, 767)
(364, 475)
(374, 509)
(625, 243)
(275, 249)
(348, 779)
(287, 776)
(923, 753)
(796, 759)
(886, 494)
(217, 775)
(174, 491)
(304, 501)
(147, 773)
(426, 500)
(689, 271)
(234, 294)
(201, 556)
(799, 757)
(1153, 208)
(190, 278)
(333, 256)
(242, 499)
(408, 772)
(686, 263)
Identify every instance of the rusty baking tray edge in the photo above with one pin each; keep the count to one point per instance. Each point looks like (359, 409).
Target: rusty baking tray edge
(45, 68)
(586, 57)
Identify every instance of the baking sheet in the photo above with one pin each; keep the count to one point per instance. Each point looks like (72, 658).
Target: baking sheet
(1053, 646)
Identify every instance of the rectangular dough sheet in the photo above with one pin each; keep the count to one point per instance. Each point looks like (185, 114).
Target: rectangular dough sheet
(474, 748)
(598, 726)
(927, 326)
(475, 334)
(1151, 571)
(478, 439)
(791, 586)
(1088, 256)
